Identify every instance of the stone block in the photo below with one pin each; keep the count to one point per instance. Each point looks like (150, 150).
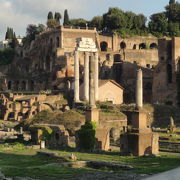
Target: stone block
(92, 114)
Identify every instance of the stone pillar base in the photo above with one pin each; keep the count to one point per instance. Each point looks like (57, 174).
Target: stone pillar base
(92, 114)
(139, 120)
(139, 144)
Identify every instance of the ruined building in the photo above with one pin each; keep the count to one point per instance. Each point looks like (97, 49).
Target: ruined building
(48, 63)
(166, 83)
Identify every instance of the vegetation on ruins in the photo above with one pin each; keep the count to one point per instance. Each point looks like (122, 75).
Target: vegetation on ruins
(7, 56)
(78, 22)
(86, 136)
(72, 119)
(31, 31)
(53, 21)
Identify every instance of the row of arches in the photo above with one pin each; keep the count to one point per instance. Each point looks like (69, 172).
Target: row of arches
(57, 42)
(21, 85)
(122, 45)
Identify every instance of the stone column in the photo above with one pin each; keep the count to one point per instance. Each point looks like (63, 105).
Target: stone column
(86, 77)
(96, 76)
(76, 76)
(139, 89)
(91, 83)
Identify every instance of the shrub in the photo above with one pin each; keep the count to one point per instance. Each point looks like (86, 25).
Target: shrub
(86, 136)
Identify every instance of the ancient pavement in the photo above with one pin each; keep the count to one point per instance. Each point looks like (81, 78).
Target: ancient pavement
(168, 175)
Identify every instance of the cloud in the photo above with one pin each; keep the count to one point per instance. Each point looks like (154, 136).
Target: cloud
(19, 13)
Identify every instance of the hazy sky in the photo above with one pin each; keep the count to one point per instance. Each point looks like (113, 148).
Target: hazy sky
(19, 13)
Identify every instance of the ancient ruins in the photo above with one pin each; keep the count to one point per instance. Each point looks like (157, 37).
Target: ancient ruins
(74, 67)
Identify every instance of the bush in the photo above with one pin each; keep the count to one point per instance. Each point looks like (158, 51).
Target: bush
(86, 136)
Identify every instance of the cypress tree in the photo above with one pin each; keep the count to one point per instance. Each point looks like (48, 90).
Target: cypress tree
(172, 2)
(57, 16)
(50, 15)
(66, 18)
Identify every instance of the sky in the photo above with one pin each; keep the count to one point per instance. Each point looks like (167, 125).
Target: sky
(19, 13)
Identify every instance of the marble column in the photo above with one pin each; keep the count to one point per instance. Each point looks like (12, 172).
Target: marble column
(86, 77)
(96, 77)
(91, 83)
(139, 89)
(76, 76)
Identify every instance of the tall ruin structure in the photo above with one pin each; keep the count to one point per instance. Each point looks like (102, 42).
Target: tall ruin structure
(140, 140)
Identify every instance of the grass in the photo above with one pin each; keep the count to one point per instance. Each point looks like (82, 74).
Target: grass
(19, 161)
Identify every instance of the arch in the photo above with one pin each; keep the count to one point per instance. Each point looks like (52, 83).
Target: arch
(123, 45)
(153, 46)
(169, 73)
(142, 46)
(117, 58)
(32, 85)
(134, 46)
(104, 46)
(16, 87)
(23, 85)
(57, 137)
(48, 63)
(9, 85)
(57, 42)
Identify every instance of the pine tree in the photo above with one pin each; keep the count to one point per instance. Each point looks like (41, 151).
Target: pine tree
(66, 18)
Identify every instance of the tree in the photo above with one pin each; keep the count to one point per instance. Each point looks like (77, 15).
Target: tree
(97, 22)
(40, 28)
(66, 18)
(130, 19)
(50, 15)
(114, 19)
(173, 12)
(57, 16)
(140, 21)
(172, 2)
(7, 36)
(52, 23)
(78, 22)
(158, 23)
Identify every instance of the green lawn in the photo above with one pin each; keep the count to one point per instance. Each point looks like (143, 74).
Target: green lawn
(19, 161)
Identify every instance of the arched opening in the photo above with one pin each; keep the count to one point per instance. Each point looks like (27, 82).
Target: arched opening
(117, 58)
(27, 68)
(134, 47)
(57, 42)
(11, 115)
(153, 46)
(9, 85)
(117, 68)
(23, 85)
(32, 85)
(169, 73)
(16, 87)
(104, 46)
(148, 86)
(123, 45)
(142, 46)
(57, 136)
(36, 66)
(48, 63)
